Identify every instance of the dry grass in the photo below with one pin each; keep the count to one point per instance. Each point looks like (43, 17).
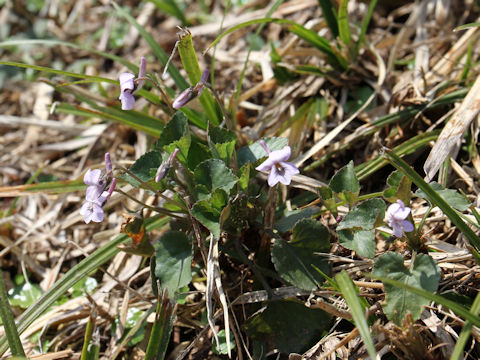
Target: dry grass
(413, 58)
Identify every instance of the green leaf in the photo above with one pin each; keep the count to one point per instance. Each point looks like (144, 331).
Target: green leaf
(176, 134)
(255, 152)
(356, 230)
(173, 261)
(144, 168)
(171, 8)
(197, 153)
(244, 177)
(452, 197)
(360, 241)
(400, 188)
(345, 184)
(208, 211)
(364, 27)
(329, 13)
(293, 260)
(134, 317)
(343, 23)
(221, 143)
(365, 216)
(326, 194)
(288, 325)
(222, 347)
(214, 174)
(458, 309)
(24, 295)
(287, 222)
(424, 274)
(84, 287)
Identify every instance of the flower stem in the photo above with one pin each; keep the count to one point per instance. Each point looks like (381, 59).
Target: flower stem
(147, 185)
(159, 210)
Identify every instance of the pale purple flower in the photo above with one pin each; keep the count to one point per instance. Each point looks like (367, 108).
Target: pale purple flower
(192, 92)
(280, 170)
(165, 166)
(396, 217)
(96, 183)
(96, 195)
(127, 85)
(184, 97)
(92, 207)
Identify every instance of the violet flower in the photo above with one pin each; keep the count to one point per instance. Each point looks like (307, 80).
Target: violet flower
(127, 85)
(396, 215)
(165, 166)
(192, 92)
(96, 195)
(280, 170)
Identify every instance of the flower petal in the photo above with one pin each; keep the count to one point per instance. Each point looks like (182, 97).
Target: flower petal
(402, 214)
(92, 177)
(126, 81)
(407, 226)
(97, 214)
(280, 155)
(93, 192)
(274, 177)
(182, 99)
(289, 168)
(392, 209)
(141, 73)
(86, 208)
(397, 230)
(128, 100)
(266, 165)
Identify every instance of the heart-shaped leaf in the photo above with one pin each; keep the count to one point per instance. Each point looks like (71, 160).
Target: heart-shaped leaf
(424, 274)
(214, 174)
(173, 260)
(295, 260)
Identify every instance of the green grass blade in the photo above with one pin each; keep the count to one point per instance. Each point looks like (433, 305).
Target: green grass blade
(269, 13)
(162, 328)
(311, 37)
(170, 7)
(192, 67)
(408, 147)
(350, 295)
(49, 42)
(134, 119)
(436, 199)
(466, 330)
(364, 27)
(9, 322)
(49, 187)
(89, 349)
(329, 12)
(59, 72)
(157, 49)
(460, 310)
(343, 23)
(467, 26)
(75, 274)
